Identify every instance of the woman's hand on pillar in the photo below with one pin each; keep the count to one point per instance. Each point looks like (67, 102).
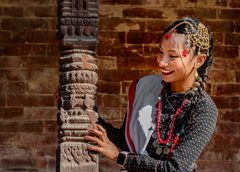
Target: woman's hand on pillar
(103, 144)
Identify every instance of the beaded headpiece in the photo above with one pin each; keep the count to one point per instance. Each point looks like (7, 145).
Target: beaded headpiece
(198, 36)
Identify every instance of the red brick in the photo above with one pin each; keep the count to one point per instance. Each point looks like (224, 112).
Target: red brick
(106, 62)
(37, 62)
(200, 13)
(220, 141)
(111, 43)
(41, 11)
(4, 36)
(122, 2)
(226, 89)
(226, 102)
(34, 50)
(9, 138)
(30, 100)
(237, 76)
(213, 166)
(53, 50)
(10, 61)
(151, 51)
(212, 154)
(237, 27)
(137, 63)
(24, 24)
(18, 37)
(234, 3)
(2, 100)
(99, 101)
(218, 38)
(228, 128)
(232, 39)
(52, 23)
(226, 51)
(41, 163)
(143, 12)
(111, 100)
(135, 37)
(40, 113)
(39, 2)
(116, 23)
(17, 163)
(42, 84)
(221, 76)
(122, 75)
(125, 87)
(108, 87)
(12, 2)
(26, 127)
(228, 13)
(34, 140)
(131, 51)
(16, 74)
(45, 151)
(109, 113)
(232, 155)
(232, 115)
(50, 127)
(11, 49)
(11, 113)
(220, 26)
(14, 88)
(157, 25)
(52, 163)
(222, 3)
(42, 37)
(226, 64)
(12, 11)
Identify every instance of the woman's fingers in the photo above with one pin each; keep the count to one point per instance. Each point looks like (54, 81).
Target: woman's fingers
(94, 139)
(100, 132)
(101, 129)
(95, 148)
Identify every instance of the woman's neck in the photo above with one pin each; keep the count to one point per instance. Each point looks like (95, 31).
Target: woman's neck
(183, 86)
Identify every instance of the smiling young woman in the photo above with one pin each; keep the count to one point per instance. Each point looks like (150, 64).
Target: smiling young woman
(170, 118)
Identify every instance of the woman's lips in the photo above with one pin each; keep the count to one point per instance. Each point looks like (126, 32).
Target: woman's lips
(167, 72)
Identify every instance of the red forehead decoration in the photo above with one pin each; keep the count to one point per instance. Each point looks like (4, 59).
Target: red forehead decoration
(168, 36)
(184, 53)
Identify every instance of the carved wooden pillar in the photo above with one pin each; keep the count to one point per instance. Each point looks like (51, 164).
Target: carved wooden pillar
(78, 28)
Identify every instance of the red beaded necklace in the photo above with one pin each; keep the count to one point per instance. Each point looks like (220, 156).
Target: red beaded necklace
(172, 124)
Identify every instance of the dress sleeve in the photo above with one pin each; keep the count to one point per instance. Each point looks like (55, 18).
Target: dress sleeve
(198, 133)
(116, 135)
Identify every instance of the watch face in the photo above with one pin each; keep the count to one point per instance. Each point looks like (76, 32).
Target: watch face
(121, 159)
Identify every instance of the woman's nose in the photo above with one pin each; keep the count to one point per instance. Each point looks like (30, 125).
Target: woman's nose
(162, 61)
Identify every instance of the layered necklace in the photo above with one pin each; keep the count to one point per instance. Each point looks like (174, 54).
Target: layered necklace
(170, 133)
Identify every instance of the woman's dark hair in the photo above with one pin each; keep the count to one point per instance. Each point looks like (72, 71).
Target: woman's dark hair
(192, 26)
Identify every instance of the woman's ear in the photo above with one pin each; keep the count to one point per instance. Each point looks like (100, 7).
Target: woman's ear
(200, 59)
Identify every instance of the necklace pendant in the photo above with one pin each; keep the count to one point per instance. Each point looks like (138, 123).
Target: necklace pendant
(166, 150)
(156, 144)
(158, 151)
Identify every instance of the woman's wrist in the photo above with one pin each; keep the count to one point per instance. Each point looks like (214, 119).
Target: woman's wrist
(122, 158)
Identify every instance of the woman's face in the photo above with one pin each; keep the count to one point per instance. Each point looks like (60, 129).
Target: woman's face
(175, 59)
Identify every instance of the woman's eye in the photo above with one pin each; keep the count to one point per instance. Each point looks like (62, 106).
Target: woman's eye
(173, 56)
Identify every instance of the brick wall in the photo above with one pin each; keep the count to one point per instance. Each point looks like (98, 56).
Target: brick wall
(129, 33)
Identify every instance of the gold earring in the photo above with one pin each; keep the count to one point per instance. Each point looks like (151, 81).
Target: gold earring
(196, 75)
(195, 65)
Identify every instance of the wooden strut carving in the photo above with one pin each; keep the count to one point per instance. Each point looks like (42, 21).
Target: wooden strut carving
(77, 34)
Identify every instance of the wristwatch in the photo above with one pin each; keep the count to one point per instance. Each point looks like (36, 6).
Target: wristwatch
(122, 158)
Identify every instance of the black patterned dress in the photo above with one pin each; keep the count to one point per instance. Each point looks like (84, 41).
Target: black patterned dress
(195, 127)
